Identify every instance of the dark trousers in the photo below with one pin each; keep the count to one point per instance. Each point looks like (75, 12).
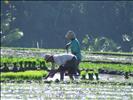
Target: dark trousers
(70, 66)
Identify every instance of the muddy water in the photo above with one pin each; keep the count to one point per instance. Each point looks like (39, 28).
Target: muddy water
(115, 78)
(102, 77)
(41, 91)
(111, 58)
(86, 56)
(59, 91)
(35, 91)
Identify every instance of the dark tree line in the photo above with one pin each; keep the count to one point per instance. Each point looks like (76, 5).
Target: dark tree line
(46, 22)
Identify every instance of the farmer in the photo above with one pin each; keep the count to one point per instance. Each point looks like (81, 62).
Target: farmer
(66, 62)
(74, 46)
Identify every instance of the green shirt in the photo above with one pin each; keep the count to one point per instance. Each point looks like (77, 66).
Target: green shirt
(75, 48)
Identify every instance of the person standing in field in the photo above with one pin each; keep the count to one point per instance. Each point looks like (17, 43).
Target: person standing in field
(74, 45)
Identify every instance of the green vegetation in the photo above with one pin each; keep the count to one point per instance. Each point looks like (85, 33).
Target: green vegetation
(22, 64)
(32, 49)
(83, 74)
(9, 34)
(62, 50)
(111, 67)
(113, 53)
(95, 43)
(90, 73)
(32, 63)
(11, 11)
(107, 62)
(27, 75)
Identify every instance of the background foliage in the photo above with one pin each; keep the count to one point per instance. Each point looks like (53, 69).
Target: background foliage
(45, 23)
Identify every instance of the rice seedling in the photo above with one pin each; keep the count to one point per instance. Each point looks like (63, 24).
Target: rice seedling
(115, 67)
(83, 74)
(113, 53)
(23, 60)
(126, 75)
(90, 74)
(22, 64)
(27, 75)
(96, 74)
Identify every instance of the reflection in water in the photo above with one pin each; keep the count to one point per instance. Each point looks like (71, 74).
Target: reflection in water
(35, 91)
(86, 55)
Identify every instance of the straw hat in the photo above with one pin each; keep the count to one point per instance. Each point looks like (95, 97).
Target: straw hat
(70, 35)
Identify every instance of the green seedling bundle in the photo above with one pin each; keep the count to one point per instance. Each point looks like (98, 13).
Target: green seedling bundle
(109, 67)
(90, 73)
(22, 64)
(27, 75)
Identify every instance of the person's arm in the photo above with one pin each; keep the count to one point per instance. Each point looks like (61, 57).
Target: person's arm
(52, 73)
(68, 45)
(53, 65)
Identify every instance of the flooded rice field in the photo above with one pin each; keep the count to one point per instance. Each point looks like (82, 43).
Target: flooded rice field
(110, 58)
(69, 91)
(87, 56)
(53, 91)
(102, 77)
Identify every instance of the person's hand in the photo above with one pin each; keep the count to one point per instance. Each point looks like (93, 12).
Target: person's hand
(67, 46)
